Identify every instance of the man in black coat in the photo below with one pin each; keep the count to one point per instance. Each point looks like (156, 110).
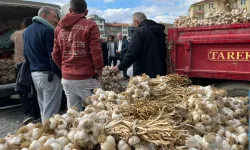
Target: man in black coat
(104, 52)
(147, 50)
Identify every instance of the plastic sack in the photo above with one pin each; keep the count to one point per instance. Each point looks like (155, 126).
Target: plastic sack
(130, 71)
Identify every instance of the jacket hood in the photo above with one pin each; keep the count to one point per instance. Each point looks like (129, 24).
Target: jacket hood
(70, 19)
(156, 28)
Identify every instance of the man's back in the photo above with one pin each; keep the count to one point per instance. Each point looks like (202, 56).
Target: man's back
(17, 37)
(36, 44)
(77, 50)
(149, 38)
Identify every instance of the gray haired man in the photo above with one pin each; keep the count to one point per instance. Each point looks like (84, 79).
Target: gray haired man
(38, 45)
(147, 50)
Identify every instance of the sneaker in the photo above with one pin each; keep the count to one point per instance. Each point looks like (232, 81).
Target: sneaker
(27, 120)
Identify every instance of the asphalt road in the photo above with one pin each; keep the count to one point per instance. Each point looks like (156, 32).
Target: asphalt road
(10, 120)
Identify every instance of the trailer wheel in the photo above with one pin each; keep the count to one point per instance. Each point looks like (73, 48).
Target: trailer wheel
(235, 89)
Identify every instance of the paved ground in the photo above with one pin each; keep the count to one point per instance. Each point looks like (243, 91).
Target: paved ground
(10, 120)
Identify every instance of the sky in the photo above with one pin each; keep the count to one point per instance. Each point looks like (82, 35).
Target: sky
(121, 11)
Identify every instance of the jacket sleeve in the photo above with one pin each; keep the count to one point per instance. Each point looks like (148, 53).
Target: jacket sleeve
(133, 52)
(49, 42)
(125, 47)
(56, 54)
(95, 47)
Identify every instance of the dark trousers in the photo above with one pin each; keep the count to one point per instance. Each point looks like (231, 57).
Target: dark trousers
(120, 57)
(106, 60)
(125, 73)
(30, 105)
(112, 59)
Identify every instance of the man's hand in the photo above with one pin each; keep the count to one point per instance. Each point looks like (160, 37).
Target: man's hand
(118, 52)
(99, 75)
(115, 69)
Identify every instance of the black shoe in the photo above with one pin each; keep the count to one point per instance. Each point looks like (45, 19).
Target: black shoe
(38, 120)
(27, 120)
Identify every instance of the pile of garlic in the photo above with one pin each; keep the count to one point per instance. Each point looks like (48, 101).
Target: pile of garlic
(138, 88)
(220, 122)
(215, 18)
(7, 73)
(111, 81)
(216, 121)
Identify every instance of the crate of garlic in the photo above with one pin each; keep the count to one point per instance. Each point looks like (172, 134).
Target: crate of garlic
(234, 16)
(164, 113)
(7, 71)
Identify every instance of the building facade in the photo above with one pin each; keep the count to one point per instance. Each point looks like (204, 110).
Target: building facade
(100, 22)
(200, 9)
(115, 28)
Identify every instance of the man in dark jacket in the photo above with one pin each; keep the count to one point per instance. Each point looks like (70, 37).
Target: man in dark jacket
(147, 48)
(112, 54)
(105, 52)
(38, 45)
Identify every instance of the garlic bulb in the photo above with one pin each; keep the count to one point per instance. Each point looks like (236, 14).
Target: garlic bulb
(63, 141)
(31, 126)
(50, 124)
(4, 145)
(200, 127)
(116, 115)
(93, 139)
(15, 140)
(122, 145)
(68, 119)
(206, 119)
(196, 116)
(109, 143)
(192, 142)
(86, 124)
(209, 142)
(71, 134)
(101, 105)
(56, 146)
(62, 124)
(240, 130)
(243, 139)
(50, 141)
(72, 113)
(58, 117)
(35, 145)
(81, 135)
(43, 139)
(37, 133)
(62, 132)
(134, 140)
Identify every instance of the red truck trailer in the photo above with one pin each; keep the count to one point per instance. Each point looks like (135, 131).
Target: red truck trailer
(218, 55)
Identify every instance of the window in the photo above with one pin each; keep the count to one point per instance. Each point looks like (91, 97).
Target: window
(100, 21)
(199, 7)
(211, 5)
(101, 27)
(124, 32)
(125, 28)
(243, 2)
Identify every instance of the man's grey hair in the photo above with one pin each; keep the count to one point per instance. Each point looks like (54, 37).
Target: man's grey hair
(139, 16)
(119, 33)
(45, 10)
